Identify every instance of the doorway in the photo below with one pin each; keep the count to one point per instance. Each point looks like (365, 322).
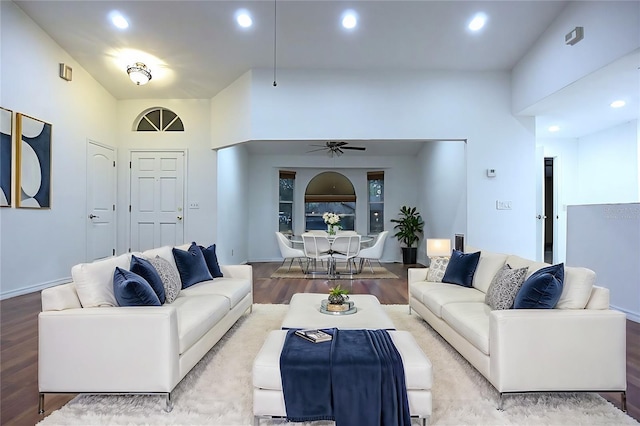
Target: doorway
(549, 215)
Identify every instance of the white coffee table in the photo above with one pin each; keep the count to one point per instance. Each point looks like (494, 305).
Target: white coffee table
(304, 312)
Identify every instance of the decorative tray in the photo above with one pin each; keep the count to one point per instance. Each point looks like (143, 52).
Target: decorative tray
(346, 308)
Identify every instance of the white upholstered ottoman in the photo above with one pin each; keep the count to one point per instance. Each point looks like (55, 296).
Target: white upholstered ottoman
(268, 399)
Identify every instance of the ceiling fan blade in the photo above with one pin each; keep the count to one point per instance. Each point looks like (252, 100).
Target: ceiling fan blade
(356, 148)
(339, 143)
(319, 149)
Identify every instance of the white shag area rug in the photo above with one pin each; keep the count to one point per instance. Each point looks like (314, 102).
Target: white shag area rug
(218, 391)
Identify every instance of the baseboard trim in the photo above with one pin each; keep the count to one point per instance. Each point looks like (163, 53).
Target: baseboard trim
(33, 288)
(632, 316)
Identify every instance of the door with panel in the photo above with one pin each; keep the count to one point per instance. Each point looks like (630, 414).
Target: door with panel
(157, 199)
(101, 201)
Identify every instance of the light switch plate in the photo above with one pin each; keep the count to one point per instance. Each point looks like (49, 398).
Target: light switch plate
(503, 205)
(194, 205)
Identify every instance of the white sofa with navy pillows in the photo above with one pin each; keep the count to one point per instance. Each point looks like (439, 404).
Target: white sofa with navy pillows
(526, 326)
(138, 322)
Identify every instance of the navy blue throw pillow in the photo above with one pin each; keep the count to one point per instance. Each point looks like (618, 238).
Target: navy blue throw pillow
(461, 268)
(210, 257)
(131, 289)
(191, 266)
(542, 289)
(146, 270)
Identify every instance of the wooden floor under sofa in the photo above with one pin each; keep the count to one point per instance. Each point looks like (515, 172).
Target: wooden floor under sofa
(19, 338)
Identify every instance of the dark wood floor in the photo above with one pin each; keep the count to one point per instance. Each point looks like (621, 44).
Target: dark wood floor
(19, 339)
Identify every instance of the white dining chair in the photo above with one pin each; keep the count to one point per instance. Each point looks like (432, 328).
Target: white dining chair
(347, 248)
(288, 251)
(341, 232)
(316, 247)
(374, 252)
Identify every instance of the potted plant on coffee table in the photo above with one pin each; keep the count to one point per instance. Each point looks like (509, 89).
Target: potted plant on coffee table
(409, 227)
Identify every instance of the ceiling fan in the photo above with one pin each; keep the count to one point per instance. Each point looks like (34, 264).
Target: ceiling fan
(336, 148)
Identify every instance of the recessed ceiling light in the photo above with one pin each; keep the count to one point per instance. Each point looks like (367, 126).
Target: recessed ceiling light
(118, 20)
(244, 19)
(554, 128)
(349, 20)
(477, 22)
(617, 104)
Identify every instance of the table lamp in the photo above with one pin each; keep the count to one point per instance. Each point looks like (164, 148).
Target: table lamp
(437, 247)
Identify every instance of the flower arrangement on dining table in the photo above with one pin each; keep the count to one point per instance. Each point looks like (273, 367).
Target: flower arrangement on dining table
(333, 222)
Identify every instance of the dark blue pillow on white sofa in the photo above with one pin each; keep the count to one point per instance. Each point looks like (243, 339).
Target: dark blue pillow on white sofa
(147, 271)
(211, 258)
(542, 290)
(132, 290)
(461, 268)
(191, 265)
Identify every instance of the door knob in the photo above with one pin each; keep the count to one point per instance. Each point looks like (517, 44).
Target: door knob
(93, 216)
(179, 217)
(539, 217)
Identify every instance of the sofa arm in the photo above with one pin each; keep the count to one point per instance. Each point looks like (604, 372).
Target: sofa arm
(110, 349)
(557, 349)
(417, 274)
(238, 271)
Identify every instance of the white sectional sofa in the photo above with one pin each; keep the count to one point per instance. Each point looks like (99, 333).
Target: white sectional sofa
(580, 345)
(139, 349)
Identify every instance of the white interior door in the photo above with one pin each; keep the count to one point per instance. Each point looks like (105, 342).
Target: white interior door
(540, 217)
(157, 199)
(101, 201)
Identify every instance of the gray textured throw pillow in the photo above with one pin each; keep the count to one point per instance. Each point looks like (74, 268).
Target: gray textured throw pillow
(504, 287)
(169, 276)
(437, 267)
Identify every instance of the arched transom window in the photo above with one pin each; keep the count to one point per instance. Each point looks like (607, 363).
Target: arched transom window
(160, 120)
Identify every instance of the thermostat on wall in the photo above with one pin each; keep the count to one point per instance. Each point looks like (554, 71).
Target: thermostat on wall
(491, 172)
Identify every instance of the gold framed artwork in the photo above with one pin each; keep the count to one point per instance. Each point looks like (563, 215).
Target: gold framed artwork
(6, 147)
(33, 163)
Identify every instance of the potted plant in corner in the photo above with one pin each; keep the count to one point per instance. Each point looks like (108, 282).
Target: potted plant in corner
(410, 226)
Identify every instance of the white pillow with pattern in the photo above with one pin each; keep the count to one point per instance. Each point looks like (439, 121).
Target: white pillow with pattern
(437, 267)
(169, 276)
(504, 287)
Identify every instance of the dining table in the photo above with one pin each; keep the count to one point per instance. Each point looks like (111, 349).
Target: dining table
(331, 267)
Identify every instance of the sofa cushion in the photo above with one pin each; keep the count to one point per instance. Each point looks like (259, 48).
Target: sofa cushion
(488, 265)
(146, 270)
(542, 289)
(197, 315)
(504, 287)
(234, 289)
(576, 289)
(599, 298)
(130, 289)
(471, 321)
(518, 262)
(461, 268)
(211, 259)
(436, 295)
(437, 267)
(191, 266)
(94, 281)
(169, 276)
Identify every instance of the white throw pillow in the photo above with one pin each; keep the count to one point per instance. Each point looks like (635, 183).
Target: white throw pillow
(576, 289)
(437, 267)
(504, 287)
(94, 281)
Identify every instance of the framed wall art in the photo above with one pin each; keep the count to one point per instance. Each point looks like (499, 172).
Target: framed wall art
(6, 144)
(33, 163)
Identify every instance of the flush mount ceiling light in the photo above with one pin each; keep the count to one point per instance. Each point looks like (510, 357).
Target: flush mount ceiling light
(139, 73)
(118, 20)
(243, 18)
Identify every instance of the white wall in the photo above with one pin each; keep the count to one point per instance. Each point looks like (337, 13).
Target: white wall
(442, 191)
(608, 162)
(231, 113)
(39, 247)
(200, 170)
(611, 30)
(234, 208)
(401, 187)
(321, 105)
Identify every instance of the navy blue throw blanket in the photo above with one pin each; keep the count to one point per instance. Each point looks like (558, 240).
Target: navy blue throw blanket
(357, 378)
